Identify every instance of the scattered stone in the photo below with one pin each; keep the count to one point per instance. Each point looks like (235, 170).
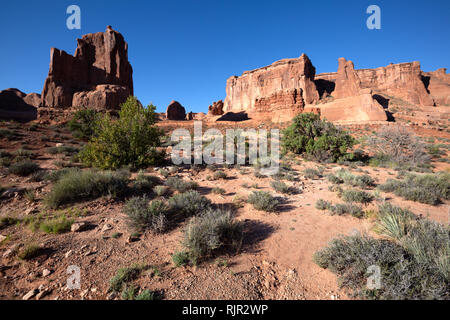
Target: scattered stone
(46, 272)
(42, 293)
(30, 294)
(68, 254)
(111, 296)
(78, 226)
(131, 239)
(107, 227)
(2, 238)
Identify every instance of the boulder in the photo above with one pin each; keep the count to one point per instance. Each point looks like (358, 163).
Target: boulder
(175, 111)
(100, 59)
(216, 109)
(14, 104)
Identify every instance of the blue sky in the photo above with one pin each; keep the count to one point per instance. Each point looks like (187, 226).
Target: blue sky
(186, 49)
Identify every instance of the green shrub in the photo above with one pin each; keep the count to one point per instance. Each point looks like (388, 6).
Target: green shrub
(142, 215)
(83, 123)
(357, 196)
(189, 203)
(144, 182)
(219, 175)
(90, 184)
(218, 190)
(416, 266)
(180, 258)
(8, 221)
(146, 295)
(29, 252)
(311, 173)
(23, 168)
(281, 187)
(316, 138)
(56, 225)
(180, 185)
(130, 140)
(263, 201)
(124, 276)
(323, 204)
(160, 190)
(347, 208)
(428, 188)
(67, 150)
(212, 230)
(345, 176)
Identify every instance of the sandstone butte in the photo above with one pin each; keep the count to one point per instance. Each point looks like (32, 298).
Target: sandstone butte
(290, 86)
(99, 75)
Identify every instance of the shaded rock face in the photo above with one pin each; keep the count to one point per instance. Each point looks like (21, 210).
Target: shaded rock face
(175, 111)
(285, 85)
(404, 80)
(216, 109)
(438, 84)
(100, 59)
(16, 105)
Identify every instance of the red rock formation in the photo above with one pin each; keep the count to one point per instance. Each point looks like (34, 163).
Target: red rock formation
(404, 80)
(286, 85)
(216, 109)
(100, 59)
(347, 81)
(439, 86)
(14, 104)
(175, 111)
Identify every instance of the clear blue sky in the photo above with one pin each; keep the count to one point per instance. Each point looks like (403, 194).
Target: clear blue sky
(186, 49)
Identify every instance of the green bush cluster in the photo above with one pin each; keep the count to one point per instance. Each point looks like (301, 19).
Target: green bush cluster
(264, 201)
(428, 188)
(131, 140)
(143, 214)
(316, 138)
(415, 266)
(189, 203)
(88, 184)
(180, 185)
(83, 123)
(209, 232)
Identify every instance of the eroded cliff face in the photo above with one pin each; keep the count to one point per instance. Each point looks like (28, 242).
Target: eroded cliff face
(286, 85)
(438, 84)
(404, 80)
(98, 76)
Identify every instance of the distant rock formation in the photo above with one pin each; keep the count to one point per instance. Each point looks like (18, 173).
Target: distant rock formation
(14, 104)
(175, 111)
(216, 109)
(438, 84)
(98, 76)
(282, 88)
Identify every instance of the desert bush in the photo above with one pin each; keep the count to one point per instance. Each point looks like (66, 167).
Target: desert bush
(56, 225)
(29, 252)
(218, 190)
(189, 203)
(143, 215)
(90, 184)
(67, 150)
(427, 188)
(323, 204)
(180, 185)
(263, 201)
(23, 168)
(8, 221)
(396, 143)
(393, 221)
(311, 173)
(180, 258)
(219, 175)
(212, 230)
(345, 176)
(145, 182)
(281, 187)
(160, 190)
(316, 138)
(357, 196)
(83, 123)
(124, 276)
(347, 208)
(7, 134)
(130, 140)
